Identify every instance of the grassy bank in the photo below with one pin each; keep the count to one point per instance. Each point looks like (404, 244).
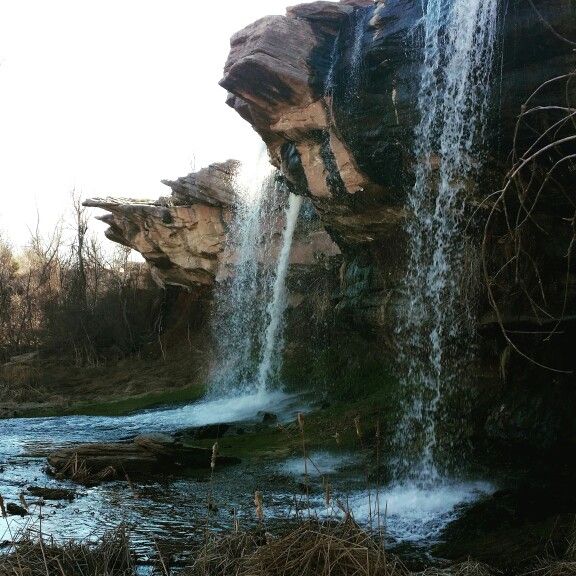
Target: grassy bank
(55, 386)
(295, 548)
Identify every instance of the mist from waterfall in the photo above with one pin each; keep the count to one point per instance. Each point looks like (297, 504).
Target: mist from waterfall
(250, 302)
(436, 326)
(238, 314)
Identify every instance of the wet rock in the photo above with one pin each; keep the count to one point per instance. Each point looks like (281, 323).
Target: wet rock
(205, 432)
(16, 510)
(52, 493)
(268, 417)
(513, 527)
(350, 147)
(93, 463)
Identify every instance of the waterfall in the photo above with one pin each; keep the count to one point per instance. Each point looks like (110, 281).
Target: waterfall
(354, 33)
(272, 346)
(250, 304)
(360, 20)
(436, 330)
(239, 311)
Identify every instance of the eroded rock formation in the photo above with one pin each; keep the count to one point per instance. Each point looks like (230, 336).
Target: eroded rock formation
(183, 237)
(180, 236)
(332, 89)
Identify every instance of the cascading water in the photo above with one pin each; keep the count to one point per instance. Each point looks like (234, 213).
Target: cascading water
(437, 329)
(271, 351)
(360, 20)
(250, 304)
(459, 37)
(238, 310)
(353, 34)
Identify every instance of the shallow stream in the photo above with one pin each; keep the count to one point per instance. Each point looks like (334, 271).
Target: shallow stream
(172, 511)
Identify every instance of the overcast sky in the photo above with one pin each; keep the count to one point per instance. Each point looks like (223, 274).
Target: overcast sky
(111, 96)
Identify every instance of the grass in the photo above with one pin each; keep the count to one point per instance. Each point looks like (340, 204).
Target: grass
(311, 549)
(330, 428)
(41, 556)
(54, 387)
(121, 406)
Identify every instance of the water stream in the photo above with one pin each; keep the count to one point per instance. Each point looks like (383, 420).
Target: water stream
(355, 66)
(240, 311)
(250, 305)
(271, 356)
(171, 509)
(437, 323)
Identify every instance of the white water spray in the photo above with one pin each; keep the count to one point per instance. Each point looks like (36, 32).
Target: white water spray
(272, 346)
(239, 309)
(459, 39)
(250, 304)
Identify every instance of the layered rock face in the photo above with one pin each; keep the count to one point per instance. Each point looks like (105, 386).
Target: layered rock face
(181, 236)
(185, 239)
(332, 88)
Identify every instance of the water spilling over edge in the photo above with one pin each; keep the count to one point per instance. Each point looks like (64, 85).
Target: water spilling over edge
(437, 323)
(270, 360)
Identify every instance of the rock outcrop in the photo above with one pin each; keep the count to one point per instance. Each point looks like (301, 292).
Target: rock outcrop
(332, 89)
(183, 237)
(180, 236)
(157, 453)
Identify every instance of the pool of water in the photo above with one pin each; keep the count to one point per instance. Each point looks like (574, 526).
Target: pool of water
(173, 509)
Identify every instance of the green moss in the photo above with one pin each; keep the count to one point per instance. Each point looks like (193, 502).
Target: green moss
(352, 368)
(332, 427)
(119, 407)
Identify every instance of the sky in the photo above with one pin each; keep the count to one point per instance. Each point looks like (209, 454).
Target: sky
(108, 97)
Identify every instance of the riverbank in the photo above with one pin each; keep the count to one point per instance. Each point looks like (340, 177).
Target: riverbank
(325, 464)
(54, 386)
(300, 547)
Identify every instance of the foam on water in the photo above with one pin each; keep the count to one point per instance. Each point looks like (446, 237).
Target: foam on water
(412, 513)
(35, 432)
(229, 409)
(318, 464)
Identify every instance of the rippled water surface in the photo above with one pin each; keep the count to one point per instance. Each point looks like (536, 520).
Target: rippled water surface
(173, 509)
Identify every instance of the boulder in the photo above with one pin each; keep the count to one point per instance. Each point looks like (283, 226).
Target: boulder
(52, 493)
(16, 510)
(145, 455)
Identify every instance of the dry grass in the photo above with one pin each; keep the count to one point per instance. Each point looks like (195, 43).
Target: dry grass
(555, 568)
(42, 557)
(312, 549)
(467, 568)
(225, 555)
(20, 382)
(77, 470)
(565, 566)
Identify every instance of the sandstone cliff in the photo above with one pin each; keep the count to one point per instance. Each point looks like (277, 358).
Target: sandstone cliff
(180, 236)
(183, 237)
(332, 89)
